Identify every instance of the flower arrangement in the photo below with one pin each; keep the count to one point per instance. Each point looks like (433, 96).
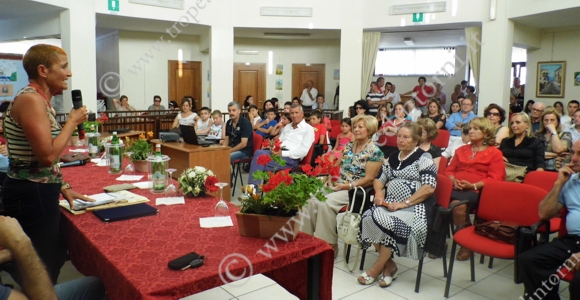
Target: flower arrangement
(194, 181)
(141, 148)
(283, 193)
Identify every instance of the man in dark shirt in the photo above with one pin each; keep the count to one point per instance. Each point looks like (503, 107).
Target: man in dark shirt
(239, 134)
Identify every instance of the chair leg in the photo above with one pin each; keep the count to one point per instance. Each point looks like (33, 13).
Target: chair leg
(419, 272)
(450, 270)
(362, 259)
(490, 265)
(472, 263)
(234, 179)
(347, 253)
(444, 259)
(482, 259)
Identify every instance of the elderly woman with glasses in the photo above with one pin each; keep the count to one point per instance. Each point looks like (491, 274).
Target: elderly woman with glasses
(496, 115)
(521, 148)
(558, 143)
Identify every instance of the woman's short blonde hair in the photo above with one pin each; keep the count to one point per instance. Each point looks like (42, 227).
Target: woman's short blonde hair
(41, 54)
(484, 124)
(369, 122)
(549, 111)
(526, 118)
(432, 131)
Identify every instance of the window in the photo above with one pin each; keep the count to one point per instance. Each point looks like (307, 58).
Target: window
(414, 62)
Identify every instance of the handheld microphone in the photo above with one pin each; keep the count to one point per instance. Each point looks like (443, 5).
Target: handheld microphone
(77, 99)
(73, 163)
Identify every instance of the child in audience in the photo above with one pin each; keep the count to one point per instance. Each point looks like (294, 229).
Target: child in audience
(287, 105)
(217, 130)
(254, 115)
(319, 129)
(284, 120)
(264, 128)
(342, 139)
(204, 123)
(450, 150)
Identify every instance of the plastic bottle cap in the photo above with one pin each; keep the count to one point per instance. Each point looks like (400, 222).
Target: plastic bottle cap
(114, 133)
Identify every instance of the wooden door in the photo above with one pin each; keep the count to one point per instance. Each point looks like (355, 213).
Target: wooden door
(185, 80)
(250, 80)
(302, 73)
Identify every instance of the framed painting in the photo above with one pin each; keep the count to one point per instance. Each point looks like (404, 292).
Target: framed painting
(551, 79)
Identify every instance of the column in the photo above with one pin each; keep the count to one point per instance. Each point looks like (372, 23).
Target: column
(496, 54)
(351, 37)
(222, 59)
(78, 40)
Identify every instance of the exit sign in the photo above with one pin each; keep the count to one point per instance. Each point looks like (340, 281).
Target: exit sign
(418, 18)
(114, 5)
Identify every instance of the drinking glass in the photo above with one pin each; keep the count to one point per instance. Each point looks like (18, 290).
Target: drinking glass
(171, 190)
(129, 169)
(221, 208)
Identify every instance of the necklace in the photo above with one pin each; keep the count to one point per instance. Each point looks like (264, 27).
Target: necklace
(474, 152)
(401, 160)
(364, 146)
(41, 93)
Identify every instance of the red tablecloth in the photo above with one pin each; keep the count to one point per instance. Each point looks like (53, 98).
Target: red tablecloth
(131, 256)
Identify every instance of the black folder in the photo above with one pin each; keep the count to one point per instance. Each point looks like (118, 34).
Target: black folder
(125, 212)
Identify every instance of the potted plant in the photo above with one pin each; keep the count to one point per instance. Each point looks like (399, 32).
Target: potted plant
(197, 181)
(270, 206)
(141, 149)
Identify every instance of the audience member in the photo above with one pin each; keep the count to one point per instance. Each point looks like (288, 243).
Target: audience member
(287, 105)
(374, 99)
(453, 108)
(528, 107)
(284, 120)
(383, 115)
(456, 120)
(173, 105)
(156, 104)
(536, 115)
(385, 137)
(275, 101)
(248, 101)
(123, 104)
(239, 134)
(296, 100)
(429, 134)
(464, 87)
(471, 95)
(567, 119)
(496, 115)
(297, 137)
(343, 138)
(456, 93)
(265, 127)
(204, 123)
(381, 85)
(218, 128)
(521, 148)
(450, 150)
(575, 130)
(559, 107)
(320, 103)
(391, 96)
(186, 116)
(557, 143)
(412, 110)
(254, 116)
(517, 89)
(439, 94)
(436, 113)
(422, 93)
(319, 128)
(360, 107)
(267, 105)
(308, 95)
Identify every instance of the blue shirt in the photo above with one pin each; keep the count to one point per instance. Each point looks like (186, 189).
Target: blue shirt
(3, 163)
(457, 117)
(266, 126)
(570, 197)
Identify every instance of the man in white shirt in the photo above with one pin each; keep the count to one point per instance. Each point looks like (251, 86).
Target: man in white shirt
(391, 95)
(567, 121)
(575, 129)
(309, 95)
(297, 139)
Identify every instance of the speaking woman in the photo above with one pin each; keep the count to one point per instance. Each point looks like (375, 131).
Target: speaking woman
(36, 140)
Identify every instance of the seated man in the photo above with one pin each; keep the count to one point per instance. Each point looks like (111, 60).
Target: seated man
(239, 134)
(33, 276)
(542, 267)
(297, 138)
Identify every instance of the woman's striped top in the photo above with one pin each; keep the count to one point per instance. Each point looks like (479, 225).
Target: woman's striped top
(23, 163)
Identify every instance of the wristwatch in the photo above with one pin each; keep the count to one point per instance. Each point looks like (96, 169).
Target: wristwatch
(408, 203)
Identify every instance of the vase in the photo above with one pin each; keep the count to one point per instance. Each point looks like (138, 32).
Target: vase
(141, 165)
(265, 227)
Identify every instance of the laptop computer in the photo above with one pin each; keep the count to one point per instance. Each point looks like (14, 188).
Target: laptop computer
(125, 212)
(189, 136)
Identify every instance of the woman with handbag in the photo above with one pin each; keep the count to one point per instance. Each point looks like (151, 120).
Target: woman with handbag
(521, 148)
(359, 165)
(397, 224)
(471, 168)
(557, 142)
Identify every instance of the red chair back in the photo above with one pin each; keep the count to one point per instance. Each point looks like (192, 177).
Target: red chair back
(541, 179)
(442, 139)
(308, 158)
(443, 190)
(334, 132)
(442, 165)
(510, 201)
(257, 142)
(334, 123)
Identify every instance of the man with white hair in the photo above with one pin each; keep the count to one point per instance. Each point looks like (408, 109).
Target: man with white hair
(536, 115)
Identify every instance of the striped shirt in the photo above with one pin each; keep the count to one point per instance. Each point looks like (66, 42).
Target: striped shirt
(23, 163)
(373, 97)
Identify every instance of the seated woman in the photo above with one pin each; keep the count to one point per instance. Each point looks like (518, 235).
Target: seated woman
(360, 107)
(397, 224)
(412, 111)
(186, 116)
(359, 165)
(496, 115)
(472, 167)
(521, 147)
(123, 104)
(436, 113)
(557, 143)
(429, 133)
(385, 137)
(383, 114)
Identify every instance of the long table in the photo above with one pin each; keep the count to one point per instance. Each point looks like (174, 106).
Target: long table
(131, 256)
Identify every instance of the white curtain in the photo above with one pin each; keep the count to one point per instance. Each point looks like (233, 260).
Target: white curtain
(370, 48)
(473, 42)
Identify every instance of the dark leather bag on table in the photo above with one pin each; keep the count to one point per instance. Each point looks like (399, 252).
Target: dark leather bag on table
(70, 157)
(499, 231)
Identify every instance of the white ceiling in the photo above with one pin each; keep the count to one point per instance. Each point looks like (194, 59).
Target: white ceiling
(552, 20)
(107, 23)
(13, 9)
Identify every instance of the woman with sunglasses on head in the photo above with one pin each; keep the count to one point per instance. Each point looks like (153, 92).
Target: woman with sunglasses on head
(360, 107)
(496, 115)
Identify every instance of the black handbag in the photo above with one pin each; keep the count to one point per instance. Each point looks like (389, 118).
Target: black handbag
(361, 199)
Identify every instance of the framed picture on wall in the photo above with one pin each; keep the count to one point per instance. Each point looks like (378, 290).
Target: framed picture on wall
(551, 79)
(576, 78)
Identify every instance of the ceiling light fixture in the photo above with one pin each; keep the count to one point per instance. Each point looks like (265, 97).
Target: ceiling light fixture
(409, 41)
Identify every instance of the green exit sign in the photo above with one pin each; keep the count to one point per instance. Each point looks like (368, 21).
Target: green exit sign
(418, 18)
(113, 5)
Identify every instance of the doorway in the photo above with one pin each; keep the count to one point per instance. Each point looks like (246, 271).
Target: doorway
(185, 80)
(302, 73)
(250, 79)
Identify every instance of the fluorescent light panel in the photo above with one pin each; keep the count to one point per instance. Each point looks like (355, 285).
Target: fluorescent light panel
(286, 11)
(406, 9)
(248, 52)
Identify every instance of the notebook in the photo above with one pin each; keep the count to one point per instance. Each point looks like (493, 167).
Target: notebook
(125, 212)
(190, 137)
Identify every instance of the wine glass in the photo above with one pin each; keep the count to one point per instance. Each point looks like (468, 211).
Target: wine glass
(130, 169)
(221, 208)
(171, 190)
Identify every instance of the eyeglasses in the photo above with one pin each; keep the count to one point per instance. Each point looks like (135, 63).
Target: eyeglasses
(539, 110)
(493, 114)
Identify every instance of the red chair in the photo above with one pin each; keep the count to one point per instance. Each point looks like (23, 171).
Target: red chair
(334, 132)
(236, 165)
(442, 166)
(568, 276)
(335, 123)
(544, 180)
(519, 205)
(442, 140)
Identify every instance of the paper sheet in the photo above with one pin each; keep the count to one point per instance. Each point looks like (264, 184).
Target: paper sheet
(129, 177)
(169, 201)
(143, 185)
(213, 222)
(79, 150)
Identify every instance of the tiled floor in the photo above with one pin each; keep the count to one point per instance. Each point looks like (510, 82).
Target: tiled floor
(495, 283)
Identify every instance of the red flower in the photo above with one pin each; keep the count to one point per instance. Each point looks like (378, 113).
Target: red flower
(277, 145)
(210, 182)
(264, 159)
(307, 169)
(266, 143)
